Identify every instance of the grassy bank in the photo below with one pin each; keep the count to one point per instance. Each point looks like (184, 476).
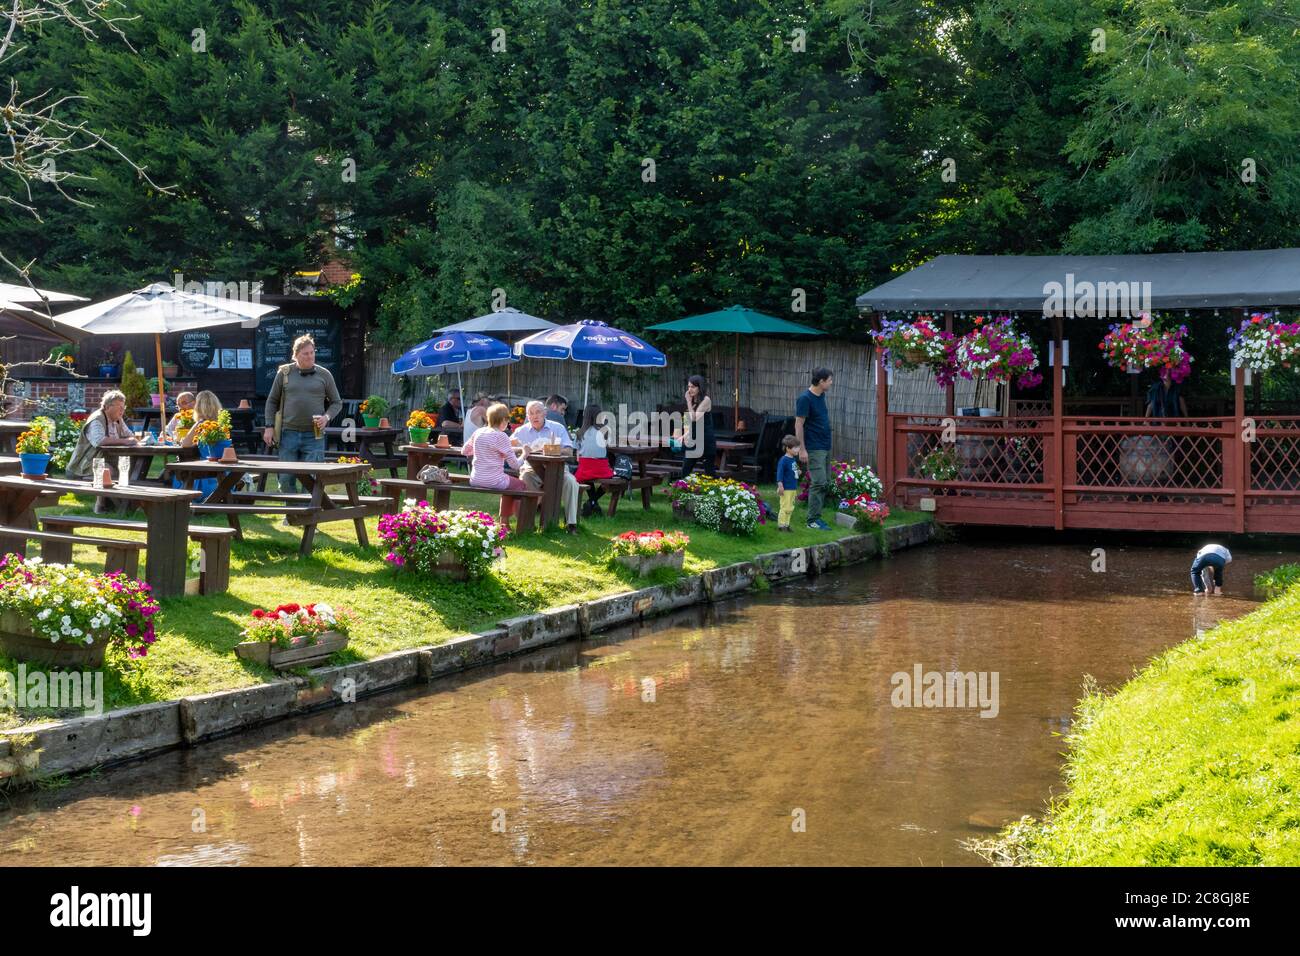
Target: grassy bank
(1195, 762)
(396, 610)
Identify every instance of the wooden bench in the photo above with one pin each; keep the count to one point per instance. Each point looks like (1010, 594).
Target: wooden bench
(119, 555)
(402, 488)
(214, 568)
(618, 487)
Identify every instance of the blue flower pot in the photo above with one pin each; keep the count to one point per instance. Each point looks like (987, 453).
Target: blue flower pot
(215, 451)
(34, 464)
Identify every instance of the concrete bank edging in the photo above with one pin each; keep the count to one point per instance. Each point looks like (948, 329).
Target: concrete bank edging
(83, 743)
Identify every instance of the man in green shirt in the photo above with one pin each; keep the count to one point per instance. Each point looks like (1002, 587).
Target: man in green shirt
(305, 396)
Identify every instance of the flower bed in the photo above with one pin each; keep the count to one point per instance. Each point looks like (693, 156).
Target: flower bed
(993, 350)
(1262, 343)
(643, 551)
(720, 504)
(295, 635)
(460, 544)
(848, 480)
(74, 614)
(1134, 346)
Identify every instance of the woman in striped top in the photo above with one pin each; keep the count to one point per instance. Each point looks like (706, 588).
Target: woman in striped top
(493, 454)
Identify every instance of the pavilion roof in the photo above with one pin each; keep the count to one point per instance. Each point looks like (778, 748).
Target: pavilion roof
(1178, 280)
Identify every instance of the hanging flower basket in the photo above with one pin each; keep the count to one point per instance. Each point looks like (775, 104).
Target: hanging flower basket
(1263, 343)
(1130, 347)
(994, 350)
(913, 345)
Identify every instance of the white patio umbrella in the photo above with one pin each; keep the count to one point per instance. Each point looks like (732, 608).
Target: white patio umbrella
(161, 308)
(501, 323)
(27, 295)
(26, 305)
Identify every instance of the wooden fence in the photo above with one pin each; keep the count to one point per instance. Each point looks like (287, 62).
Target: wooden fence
(772, 373)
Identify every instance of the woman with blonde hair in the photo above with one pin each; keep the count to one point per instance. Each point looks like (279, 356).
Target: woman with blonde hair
(206, 409)
(493, 454)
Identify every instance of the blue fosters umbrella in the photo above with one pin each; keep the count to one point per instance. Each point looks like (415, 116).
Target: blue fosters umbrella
(462, 351)
(590, 341)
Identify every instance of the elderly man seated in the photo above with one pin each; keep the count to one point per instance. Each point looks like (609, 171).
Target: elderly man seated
(103, 432)
(538, 428)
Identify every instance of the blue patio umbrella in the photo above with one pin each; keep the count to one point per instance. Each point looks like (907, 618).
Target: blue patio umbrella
(591, 341)
(462, 351)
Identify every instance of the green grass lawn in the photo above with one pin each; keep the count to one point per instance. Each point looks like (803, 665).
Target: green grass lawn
(1195, 762)
(398, 610)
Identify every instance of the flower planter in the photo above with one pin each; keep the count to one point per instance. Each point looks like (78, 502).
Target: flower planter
(370, 421)
(34, 465)
(450, 566)
(643, 564)
(683, 510)
(19, 641)
(845, 520)
(154, 400)
(108, 371)
(214, 452)
(170, 370)
(419, 436)
(299, 655)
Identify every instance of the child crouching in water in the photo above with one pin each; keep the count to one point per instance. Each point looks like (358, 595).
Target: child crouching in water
(787, 481)
(1212, 557)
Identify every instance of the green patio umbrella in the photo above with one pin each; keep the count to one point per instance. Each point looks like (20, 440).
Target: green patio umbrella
(739, 321)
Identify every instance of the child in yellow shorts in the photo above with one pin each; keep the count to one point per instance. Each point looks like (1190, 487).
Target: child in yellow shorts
(787, 481)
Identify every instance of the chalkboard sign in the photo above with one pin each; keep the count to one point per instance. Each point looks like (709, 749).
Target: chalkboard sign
(196, 351)
(274, 344)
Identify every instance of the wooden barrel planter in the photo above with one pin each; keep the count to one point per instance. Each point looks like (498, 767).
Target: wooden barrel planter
(20, 641)
(643, 564)
(1143, 459)
(299, 655)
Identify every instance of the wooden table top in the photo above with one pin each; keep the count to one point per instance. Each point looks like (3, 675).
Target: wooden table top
(276, 467)
(430, 448)
(141, 493)
(362, 431)
(141, 449)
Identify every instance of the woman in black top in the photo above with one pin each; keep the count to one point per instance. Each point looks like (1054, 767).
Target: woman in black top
(698, 426)
(1165, 399)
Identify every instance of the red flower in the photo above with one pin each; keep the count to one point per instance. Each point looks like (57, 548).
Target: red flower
(258, 612)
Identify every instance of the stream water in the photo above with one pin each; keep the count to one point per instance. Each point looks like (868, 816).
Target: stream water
(759, 731)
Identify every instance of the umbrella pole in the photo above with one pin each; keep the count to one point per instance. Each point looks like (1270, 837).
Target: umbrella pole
(735, 383)
(162, 398)
(586, 387)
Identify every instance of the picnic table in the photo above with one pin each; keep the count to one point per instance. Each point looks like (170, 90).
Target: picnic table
(167, 513)
(417, 456)
(10, 465)
(9, 432)
(362, 442)
(724, 451)
(550, 468)
(142, 457)
(309, 510)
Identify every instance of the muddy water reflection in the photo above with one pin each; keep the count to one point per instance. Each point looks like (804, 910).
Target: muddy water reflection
(689, 740)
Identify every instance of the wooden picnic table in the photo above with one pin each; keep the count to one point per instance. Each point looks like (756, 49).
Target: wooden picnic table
(307, 510)
(142, 457)
(167, 513)
(724, 451)
(417, 456)
(362, 441)
(551, 469)
(10, 465)
(641, 453)
(9, 432)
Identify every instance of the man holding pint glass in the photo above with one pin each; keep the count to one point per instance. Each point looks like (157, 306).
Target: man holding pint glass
(306, 398)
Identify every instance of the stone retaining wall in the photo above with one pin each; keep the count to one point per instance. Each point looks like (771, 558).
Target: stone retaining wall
(69, 746)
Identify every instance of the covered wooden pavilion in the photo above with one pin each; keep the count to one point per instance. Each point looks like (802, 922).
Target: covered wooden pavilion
(1041, 467)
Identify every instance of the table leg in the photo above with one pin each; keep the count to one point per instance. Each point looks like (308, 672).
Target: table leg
(645, 492)
(317, 490)
(354, 499)
(169, 525)
(414, 462)
(391, 455)
(17, 511)
(223, 495)
(552, 476)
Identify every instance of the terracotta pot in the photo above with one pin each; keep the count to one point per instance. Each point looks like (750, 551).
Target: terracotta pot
(228, 455)
(444, 441)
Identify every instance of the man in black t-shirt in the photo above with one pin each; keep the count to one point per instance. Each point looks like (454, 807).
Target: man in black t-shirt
(812, 427)
(450, 411)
